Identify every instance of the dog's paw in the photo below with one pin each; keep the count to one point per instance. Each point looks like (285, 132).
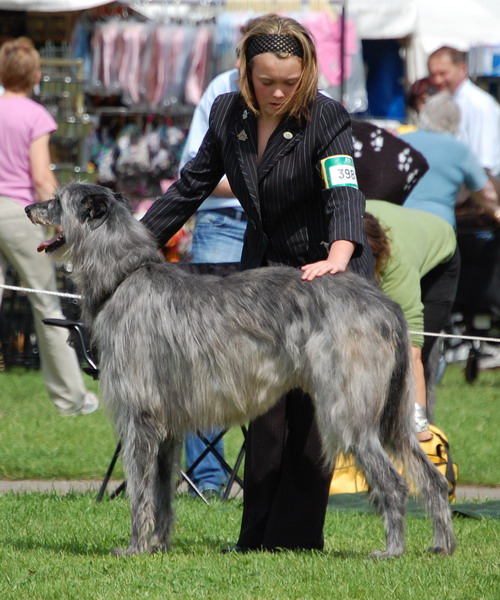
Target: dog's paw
(444, 544)
(158, 548)
(159, 543)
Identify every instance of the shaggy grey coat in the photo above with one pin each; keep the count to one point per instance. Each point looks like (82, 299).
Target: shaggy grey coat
(181, 352)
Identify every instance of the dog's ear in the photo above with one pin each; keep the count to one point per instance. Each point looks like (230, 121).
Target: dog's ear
(123, 200)
(95, 210)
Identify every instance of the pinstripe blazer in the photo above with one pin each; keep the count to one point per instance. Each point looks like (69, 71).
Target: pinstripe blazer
(292, 218)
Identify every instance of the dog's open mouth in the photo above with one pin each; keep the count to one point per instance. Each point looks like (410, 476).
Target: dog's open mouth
(54, 243)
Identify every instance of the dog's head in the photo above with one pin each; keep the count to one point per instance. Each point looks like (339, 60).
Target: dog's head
(75, 207)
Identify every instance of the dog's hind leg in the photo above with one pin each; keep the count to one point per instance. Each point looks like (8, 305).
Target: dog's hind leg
(388, 492)
(169, 456)
(434, 488)
(140, 442)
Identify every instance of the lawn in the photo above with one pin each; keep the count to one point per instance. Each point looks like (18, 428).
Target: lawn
(37, 443)
(58, 548)
(55, 547)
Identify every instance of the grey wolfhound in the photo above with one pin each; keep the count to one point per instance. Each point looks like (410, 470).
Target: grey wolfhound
(181, 352)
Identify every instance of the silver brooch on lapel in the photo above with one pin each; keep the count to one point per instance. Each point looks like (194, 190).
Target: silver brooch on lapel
(242, 136)
(288, 135)
(245, 114)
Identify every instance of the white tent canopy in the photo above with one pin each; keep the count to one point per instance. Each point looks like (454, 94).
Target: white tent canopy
(461, 23)
(458, 23)
(51, 5)
(427, 24)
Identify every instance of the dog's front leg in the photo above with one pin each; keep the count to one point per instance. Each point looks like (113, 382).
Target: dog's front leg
(140, 448)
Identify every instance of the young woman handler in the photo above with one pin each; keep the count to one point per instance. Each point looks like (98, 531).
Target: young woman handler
(287, 153)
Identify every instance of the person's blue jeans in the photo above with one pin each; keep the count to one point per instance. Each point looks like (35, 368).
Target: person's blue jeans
(209, 474)
(217, 238)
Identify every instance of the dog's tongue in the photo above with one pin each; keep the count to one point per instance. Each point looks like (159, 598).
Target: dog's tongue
(48, 243)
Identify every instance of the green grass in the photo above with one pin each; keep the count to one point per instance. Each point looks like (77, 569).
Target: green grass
(57, 547)
(37, 443)
(470, 417)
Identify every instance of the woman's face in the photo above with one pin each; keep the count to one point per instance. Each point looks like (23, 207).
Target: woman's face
(274, 80)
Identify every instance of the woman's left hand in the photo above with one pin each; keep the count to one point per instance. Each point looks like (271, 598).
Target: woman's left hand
(323, 267)
(338, 258)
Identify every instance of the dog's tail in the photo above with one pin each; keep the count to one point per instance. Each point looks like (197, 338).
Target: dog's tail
(399, 406)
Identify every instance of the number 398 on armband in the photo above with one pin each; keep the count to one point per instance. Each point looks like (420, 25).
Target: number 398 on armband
(339, 171)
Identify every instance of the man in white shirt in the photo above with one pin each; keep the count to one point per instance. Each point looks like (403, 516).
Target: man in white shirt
(480, 112)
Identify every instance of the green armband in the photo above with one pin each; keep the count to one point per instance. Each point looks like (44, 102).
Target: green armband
(339, 171)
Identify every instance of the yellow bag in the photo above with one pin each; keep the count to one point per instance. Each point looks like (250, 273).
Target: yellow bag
(348, 479)
(438, 452)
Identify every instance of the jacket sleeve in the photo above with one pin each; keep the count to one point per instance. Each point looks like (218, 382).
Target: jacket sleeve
(345, 205)
(197, 180)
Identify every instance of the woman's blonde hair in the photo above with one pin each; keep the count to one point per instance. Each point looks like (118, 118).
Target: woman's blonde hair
(299, 104)
(19, 65)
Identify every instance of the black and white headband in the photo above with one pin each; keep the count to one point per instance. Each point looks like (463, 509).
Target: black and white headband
(277, 43)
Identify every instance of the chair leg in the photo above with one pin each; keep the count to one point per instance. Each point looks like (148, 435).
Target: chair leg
(121, 488)
(193, 486)
(232, 471)
(109, 472)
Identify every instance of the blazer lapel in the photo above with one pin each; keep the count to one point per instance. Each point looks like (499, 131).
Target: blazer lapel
(286, 135)
(245, 140)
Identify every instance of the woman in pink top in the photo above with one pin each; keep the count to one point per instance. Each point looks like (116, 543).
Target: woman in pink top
(25, 177)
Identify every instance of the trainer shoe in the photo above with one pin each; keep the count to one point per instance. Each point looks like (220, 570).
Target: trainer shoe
(489, 357)
(90, 404)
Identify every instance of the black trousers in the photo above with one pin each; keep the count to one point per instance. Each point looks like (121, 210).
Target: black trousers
(286, 483)
(439, 288)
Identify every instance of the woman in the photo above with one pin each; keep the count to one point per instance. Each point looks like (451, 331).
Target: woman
(417, 265)
(286, 151)
(452, 165)
(25, 177)
(418, 94)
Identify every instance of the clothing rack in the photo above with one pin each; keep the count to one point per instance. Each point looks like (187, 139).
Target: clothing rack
(156, 37)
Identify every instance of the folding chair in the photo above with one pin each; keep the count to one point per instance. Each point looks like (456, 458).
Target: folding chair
(231, 471)
(92, 369)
